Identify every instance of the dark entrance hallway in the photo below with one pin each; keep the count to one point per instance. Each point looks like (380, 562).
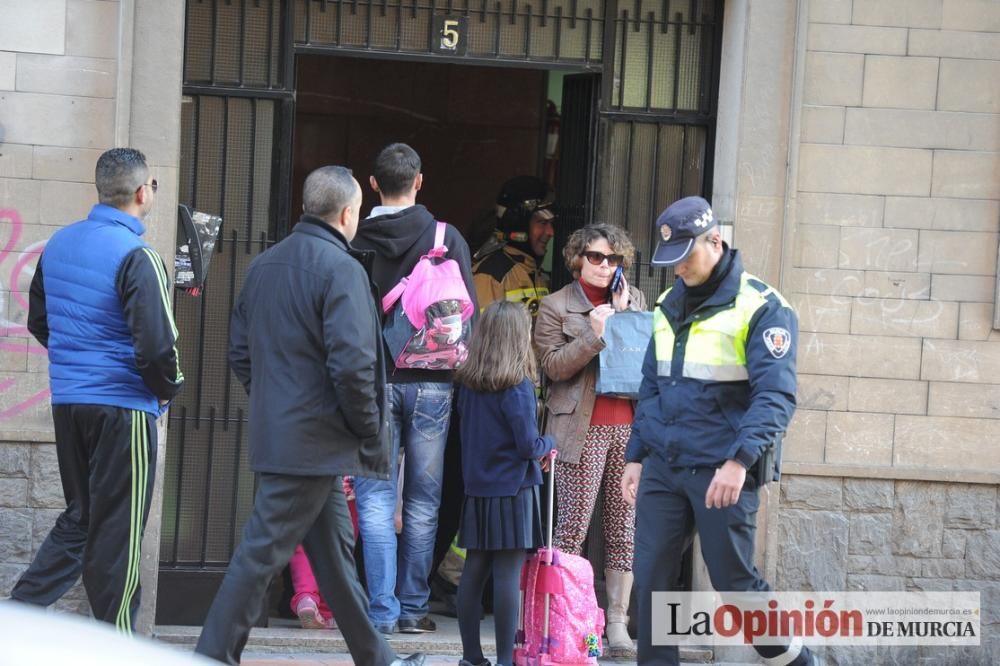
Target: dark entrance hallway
(473, 127)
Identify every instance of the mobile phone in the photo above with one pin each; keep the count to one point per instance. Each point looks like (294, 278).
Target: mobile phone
(616, 279)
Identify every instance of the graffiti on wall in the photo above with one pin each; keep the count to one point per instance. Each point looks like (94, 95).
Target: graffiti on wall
(18, 391)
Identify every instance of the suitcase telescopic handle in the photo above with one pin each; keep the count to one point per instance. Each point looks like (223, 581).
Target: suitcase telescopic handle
(551, 498)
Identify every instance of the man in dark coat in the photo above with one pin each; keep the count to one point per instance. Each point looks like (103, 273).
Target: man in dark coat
(305, 343)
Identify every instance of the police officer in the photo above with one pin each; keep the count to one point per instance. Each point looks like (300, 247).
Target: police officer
(508, 266)
(718, 388)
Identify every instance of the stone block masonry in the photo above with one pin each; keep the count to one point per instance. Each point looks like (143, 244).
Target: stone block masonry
(841, 533)
(30, 501)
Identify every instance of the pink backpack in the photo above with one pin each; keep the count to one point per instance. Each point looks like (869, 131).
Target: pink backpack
(430, 328)
(560, 621)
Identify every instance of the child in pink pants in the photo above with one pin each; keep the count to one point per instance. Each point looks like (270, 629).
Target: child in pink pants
(307, 603)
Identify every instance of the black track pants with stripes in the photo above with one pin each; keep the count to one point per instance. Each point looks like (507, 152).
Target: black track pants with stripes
(107, 459)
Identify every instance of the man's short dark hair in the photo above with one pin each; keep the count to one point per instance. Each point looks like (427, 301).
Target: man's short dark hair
(396, 167)
(327, 191)
(118, 174)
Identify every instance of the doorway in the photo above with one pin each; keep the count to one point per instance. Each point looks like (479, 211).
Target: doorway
(473, 127)
(636, 131)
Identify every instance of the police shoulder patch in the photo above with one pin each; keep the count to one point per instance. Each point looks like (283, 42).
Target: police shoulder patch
(778, 341)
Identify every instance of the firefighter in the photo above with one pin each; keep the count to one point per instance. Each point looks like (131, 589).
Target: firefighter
(508, 266)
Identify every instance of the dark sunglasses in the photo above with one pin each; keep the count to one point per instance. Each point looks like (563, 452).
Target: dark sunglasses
(597, 258)
(151, 183)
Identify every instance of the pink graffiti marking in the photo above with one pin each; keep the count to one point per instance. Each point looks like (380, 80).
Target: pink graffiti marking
(15, 234)
(25, 405)
(12, 328)
(11, 347)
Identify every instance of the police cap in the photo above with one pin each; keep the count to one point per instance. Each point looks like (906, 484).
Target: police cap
(678, 226)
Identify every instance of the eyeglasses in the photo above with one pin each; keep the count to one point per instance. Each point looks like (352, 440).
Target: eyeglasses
(151, 184)
(597, 258)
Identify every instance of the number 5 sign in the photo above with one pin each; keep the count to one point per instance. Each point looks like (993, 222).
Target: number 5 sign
(450, 35)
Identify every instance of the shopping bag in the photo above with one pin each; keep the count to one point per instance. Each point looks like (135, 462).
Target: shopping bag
(626, 336)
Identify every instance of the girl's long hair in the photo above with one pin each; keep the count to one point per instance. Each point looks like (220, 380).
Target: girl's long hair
(500, 353)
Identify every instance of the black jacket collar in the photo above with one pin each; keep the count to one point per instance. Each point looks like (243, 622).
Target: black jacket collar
(723, 298)
(314, 226)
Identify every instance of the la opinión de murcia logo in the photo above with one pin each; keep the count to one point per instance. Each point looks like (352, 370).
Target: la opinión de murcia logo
(856, 618)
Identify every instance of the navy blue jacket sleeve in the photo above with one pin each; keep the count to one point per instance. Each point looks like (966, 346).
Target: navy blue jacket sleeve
(38, 321)
(648, 403)
(520, 406)
(350, 333)
(772, 342)
(144, 290)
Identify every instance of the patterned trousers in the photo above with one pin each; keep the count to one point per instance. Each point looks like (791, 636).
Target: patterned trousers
(601, 466)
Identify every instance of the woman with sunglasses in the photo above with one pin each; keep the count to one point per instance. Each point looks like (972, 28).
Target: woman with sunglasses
(591, 431)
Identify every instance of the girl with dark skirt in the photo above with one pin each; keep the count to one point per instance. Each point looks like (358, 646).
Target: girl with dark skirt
(501, 465)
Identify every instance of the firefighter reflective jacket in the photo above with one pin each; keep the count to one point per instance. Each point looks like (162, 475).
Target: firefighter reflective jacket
(502, 272)
(720, 384)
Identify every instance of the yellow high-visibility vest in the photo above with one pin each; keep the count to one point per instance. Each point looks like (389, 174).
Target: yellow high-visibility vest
(715, 350)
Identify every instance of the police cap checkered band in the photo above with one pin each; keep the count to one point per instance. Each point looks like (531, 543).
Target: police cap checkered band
(678, 226)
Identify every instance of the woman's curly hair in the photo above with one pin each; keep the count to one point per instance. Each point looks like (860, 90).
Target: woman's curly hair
(579, 240)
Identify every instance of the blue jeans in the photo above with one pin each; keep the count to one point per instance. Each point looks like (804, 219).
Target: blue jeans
(397, 576)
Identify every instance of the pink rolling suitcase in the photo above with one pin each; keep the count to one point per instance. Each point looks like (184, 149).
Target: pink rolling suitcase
(559, 620)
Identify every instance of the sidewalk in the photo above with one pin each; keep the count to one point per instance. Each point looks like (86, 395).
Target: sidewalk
(284, 643)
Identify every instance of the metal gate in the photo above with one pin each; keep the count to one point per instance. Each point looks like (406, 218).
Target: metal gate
(656, 133)
(235, 142)
(645, 139)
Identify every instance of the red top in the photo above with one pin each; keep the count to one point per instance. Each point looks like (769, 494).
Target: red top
(607, 409)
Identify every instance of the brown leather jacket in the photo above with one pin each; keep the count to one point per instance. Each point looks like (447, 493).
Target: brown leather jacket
(567, 350)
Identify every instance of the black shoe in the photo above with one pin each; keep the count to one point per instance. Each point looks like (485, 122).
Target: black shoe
(415, 659)
(484, 662)
(386, 630)
(422, 626)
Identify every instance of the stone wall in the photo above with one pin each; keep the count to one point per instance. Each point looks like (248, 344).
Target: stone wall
(76, 78)
(894, 260)
(891, 467)
(872, 534)
(59, 87)
(59, 83)
(30, 501)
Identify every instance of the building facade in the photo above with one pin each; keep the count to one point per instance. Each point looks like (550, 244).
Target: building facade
(851, 148)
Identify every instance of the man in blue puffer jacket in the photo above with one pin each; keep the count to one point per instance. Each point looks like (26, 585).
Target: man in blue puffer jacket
(100, 303)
